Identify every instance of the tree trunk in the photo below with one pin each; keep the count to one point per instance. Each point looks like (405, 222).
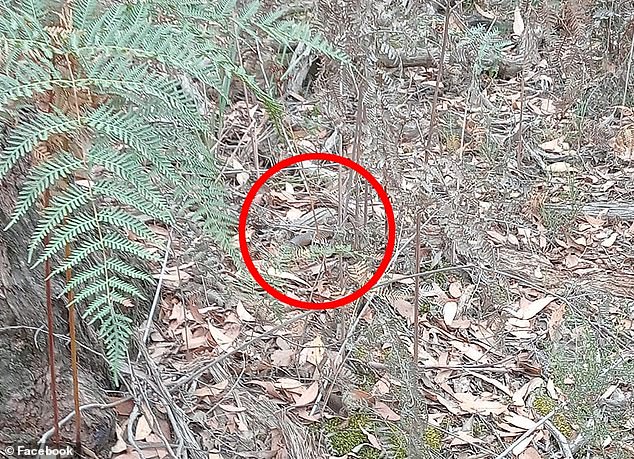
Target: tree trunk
(25, 398)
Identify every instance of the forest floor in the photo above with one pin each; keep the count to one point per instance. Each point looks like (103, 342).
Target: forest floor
(525, 285)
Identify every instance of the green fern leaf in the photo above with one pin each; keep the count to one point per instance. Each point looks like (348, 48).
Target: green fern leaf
(23, 139)
(60, 207)
(41, 178)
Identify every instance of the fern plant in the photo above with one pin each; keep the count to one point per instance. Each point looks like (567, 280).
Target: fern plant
(109, 110)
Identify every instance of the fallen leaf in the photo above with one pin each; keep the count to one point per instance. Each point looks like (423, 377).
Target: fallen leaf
(560, 167)
(223, 341)
(284, 275)
(532, 309)
(313, 352)
(309, 396)
(143, 429)
(518, 22)
(609, 241)
(481, 405)
(521, 446)
(243, 314)
(405, 309)
(386, 412)
(282, 358)
(232, 408)
(449, 312)
(294, 214)
(530, 453)
(455, 289)
(520, 421)
(472, 351)
(242, 177)
(571, 260)
(555, 146)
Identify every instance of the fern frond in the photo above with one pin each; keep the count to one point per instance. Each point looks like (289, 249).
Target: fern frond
(41, 178)
(61, 206)
(114, 265)
(134, 197)
(108, 286)
(23, 139)
(111, 241)
(114, 330)
(83, 223)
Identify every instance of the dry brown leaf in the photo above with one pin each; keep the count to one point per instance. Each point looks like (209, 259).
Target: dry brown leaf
(455, 289)
(232, 408)
(610, 240)
(220, 337)
(557, 145)
(571, 260)
(518, 22)
(520, 421)
(283, 357)
(472, 351)
(561, 167)
(309, 396)
(481, 405)
(243, 314)
(131, 454)
(294, 214)
(521, 446)
(449, 312)
(284, 275)
(405, 309)
(535, 307)
(269, 388)
(289, 384)
(143, 429)
(386, 412)
(120, 444)
(530, 453)
(242, 178)
(313, 352)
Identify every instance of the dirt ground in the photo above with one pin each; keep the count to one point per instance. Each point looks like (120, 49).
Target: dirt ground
(502, 328)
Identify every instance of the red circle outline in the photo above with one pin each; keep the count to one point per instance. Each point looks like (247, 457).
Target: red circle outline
(389, 215)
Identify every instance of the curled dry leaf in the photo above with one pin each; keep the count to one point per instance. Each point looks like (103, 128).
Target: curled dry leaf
(243, 314)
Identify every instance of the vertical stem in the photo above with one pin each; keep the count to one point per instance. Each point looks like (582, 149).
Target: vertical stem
(51, 343)
(416, 288)
(73, 354)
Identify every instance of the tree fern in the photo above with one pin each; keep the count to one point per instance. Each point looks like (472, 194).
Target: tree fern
(117, 95)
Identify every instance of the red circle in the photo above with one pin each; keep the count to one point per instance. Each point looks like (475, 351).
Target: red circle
(389, 215)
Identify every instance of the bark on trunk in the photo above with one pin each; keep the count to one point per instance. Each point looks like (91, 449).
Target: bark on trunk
(25, 399)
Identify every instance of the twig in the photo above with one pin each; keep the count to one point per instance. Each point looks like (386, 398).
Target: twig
(441, 61)
(157, 293)
(102, 406)
(416, 289)
(528, 433)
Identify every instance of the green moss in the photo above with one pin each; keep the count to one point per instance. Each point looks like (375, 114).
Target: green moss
(397, 445)
(345, 436)
(544, 404)
(433, 438)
